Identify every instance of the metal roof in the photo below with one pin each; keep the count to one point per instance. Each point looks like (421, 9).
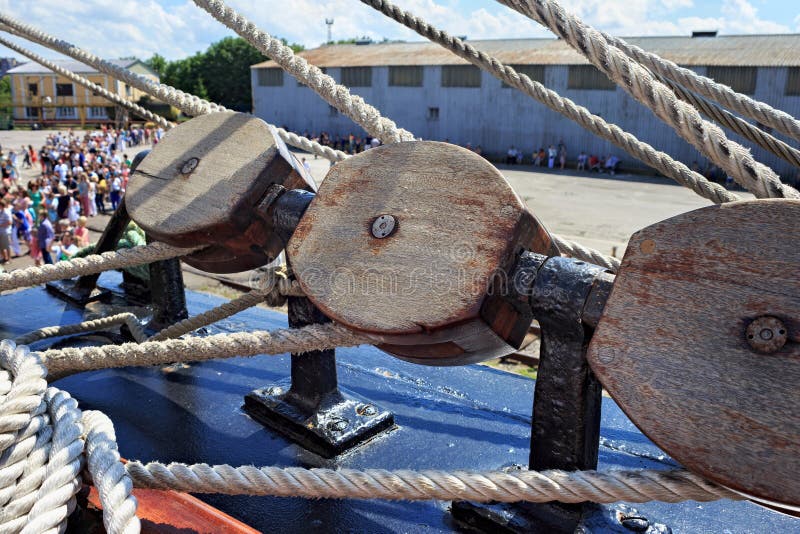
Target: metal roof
(726, 50)
(31, 67)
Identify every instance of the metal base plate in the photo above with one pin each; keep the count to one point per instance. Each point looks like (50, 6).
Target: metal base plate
(70, 290)
(340, 422)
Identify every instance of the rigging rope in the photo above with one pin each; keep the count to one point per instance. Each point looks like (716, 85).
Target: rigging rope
(68, 361)
(325, 86)
(641, 84)
(128, 319)
(80, 80)
(595, 124)
(94, 263)
(187, 103)
(735, 124)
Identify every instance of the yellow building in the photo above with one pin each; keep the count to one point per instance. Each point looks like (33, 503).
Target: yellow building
(41, 96)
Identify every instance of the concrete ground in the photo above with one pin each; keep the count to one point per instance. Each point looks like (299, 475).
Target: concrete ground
(599, 211)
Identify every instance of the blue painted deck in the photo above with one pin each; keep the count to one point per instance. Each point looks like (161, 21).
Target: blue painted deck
(470, 417)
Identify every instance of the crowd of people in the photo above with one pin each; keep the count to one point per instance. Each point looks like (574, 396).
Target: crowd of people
(555, 157)
(80, 174)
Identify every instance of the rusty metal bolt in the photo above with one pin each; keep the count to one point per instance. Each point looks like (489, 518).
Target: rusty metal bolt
(337, 424)
(189, 165)
(635, 523)
(366, 410)
(766, 334)
(383, 226)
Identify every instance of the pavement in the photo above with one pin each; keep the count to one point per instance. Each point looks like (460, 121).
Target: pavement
(599, 211)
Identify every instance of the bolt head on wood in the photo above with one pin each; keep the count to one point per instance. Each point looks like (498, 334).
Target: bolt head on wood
(203, 183)
(766, 334)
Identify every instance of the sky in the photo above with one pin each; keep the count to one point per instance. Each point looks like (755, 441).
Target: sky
(178, 28)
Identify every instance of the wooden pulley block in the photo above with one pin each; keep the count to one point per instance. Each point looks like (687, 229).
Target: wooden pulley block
(699, 344)
(406, 240)
(203, 184)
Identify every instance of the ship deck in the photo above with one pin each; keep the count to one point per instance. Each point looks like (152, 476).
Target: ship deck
(470, 417)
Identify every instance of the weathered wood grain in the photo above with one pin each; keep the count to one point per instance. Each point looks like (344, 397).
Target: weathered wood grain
(201, 186)
(671, 346)
(458, 224)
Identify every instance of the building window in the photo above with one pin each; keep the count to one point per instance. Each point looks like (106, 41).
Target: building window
(740, 79)
(357, 76)
(433, 114)
(792, 81)
(32, 113)
(64, 89)
(588, 77)
(98, 112)
(33, 89)
(405, 76)
(66, 113)
(301, 84)
(461, 76)
(127, 90)
(534, 72)
(332, 111)
(270, 77)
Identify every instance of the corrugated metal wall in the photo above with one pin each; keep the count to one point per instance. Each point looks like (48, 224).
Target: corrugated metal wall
(496, 117)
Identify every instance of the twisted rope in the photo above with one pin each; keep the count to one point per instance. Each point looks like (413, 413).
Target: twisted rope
(735, 124)
(595, 124)
(275, 295)
(108, 475)
(513, 486)
(41, 444)
(67, 361)
(187, 103)
(641, 84)
(576, 250)
(325, 86)
(722, 94)
(80, 80)
(102, 323)
(91, 264)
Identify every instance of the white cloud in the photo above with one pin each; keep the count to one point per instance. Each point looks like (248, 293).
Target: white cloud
(177, 29)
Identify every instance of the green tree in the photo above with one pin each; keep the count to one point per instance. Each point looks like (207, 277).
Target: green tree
(221, 74)
(5, 103)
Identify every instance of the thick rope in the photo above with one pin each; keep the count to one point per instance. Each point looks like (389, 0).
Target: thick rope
(109, 476)
(41, 444)
(641, 84)
(274, 296)
(595, 124)
(128, 319)
(67, 361)
(80, 80)
(735, 124)
(91, 264)
(187, 103)
(325, 86)
(722, 94)
(576, 250)
(512, 486)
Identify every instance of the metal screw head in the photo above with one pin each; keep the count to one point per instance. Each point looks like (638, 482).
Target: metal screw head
(383, 226)
(337, 424)
(766, 334)
(189, 165)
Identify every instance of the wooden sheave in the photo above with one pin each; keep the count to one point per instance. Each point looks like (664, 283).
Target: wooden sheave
(202, 185)
(672, 346)
(426, 287)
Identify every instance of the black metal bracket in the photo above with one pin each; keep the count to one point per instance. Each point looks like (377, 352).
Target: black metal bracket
(311, 409)
(566, 296)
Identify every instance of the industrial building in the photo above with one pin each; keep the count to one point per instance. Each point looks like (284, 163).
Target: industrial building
(40, 96)
(436, 95)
